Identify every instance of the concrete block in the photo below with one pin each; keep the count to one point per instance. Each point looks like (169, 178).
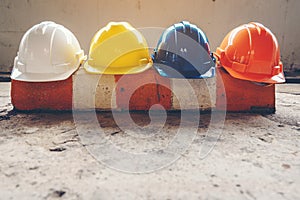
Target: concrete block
(142, 91)
(93, 91)
(201, 94)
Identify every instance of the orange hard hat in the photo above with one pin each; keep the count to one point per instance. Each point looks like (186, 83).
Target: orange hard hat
(251, 52)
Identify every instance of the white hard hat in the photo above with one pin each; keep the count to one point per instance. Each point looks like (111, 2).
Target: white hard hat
(47, 52)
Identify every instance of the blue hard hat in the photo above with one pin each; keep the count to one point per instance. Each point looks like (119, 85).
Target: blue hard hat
(183, 52)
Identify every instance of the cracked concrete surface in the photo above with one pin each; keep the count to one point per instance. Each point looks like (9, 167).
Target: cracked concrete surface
(256, 157)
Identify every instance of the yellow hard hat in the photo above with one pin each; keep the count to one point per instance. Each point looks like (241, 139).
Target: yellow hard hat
(118, 48)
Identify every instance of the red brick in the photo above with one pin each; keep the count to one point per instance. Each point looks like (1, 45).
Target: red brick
(148, 92)
(243, 96)
(56, 95)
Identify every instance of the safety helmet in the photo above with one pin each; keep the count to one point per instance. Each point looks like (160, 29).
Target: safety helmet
(47, 52)
(183, 52)
(118, 48)
(251, 52)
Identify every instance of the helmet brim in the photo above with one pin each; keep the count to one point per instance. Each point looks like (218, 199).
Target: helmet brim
(18, 75)
(273, 79)
(36, 77)
(166, 71)
(119, 70)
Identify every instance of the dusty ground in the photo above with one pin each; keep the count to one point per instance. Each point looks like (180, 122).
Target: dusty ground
(256, 157)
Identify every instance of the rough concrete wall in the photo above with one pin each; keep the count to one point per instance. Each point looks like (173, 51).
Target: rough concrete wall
(215, 17)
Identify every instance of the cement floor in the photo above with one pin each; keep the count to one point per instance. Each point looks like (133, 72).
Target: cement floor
(42, 156)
